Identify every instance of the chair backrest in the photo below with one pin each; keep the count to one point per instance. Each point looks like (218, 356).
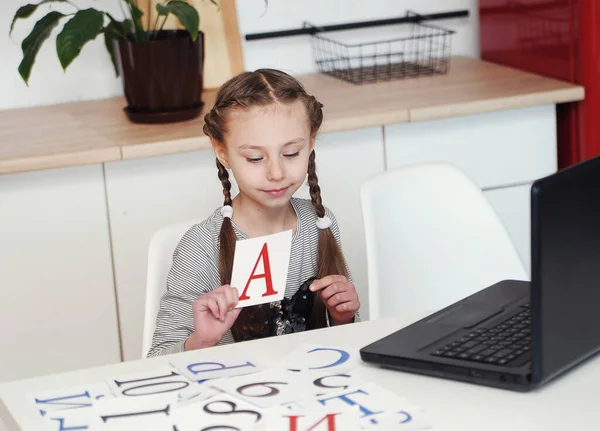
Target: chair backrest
(160, 257)
(432, 238)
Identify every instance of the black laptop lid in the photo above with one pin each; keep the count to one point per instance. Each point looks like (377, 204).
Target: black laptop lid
(565, 268)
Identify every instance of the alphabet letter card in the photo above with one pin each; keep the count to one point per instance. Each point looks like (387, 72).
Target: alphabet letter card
(260, 268)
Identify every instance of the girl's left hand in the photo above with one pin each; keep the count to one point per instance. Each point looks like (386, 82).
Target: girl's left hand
(339, 296)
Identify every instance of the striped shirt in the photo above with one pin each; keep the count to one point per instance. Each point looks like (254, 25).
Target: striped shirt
(195, 270)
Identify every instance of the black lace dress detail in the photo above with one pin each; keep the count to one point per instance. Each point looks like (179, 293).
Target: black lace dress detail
(296, 314)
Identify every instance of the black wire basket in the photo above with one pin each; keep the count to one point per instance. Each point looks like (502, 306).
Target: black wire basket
(424, 51)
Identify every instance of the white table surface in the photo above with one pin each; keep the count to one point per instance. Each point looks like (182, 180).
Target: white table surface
(569, 403)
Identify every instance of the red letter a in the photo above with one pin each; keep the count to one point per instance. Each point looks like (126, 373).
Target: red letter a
(264, 254)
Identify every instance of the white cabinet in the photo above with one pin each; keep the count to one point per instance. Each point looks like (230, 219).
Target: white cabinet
(143, 196)
(344, 161)
(494, 149)
(513, 205)
(57, 304)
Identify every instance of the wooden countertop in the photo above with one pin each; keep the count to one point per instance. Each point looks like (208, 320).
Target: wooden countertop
(80, 133)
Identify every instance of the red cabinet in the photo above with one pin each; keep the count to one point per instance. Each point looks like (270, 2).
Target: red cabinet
(558, 39)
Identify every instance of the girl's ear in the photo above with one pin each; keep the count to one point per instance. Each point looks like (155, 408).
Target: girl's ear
(313, 140)
(220, 152)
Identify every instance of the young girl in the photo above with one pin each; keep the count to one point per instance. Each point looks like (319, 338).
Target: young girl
(263, 127)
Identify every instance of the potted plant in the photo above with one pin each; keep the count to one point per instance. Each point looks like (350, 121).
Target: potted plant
(161, 69)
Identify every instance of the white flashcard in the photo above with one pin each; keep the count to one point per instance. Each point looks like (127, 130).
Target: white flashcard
(292, 406)
(196, 392)
(260, 268)
(317, 418)
(327, 382)
(68, 399)
(406, 419)
(78, 419)
(127, 413)
(163, 380)
(205, 366)
(266, 389)
(222, 411)
(375, 404)
(321, 358)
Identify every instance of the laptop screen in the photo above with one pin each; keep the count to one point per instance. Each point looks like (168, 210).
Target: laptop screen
(565, 268)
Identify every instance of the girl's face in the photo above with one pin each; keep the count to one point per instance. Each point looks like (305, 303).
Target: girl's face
(267, 149)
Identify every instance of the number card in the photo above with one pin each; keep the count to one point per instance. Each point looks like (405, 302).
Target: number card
(123, 413)
(260, 268)
(163, 380)
(267, 388)
(221, 412)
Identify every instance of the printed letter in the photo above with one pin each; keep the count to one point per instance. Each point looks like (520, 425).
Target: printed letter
(264, 254)
(330, 422)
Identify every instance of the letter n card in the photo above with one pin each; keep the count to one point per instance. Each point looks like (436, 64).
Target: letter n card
(260, 268)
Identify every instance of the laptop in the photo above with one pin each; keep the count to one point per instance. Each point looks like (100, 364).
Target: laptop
(515, 334)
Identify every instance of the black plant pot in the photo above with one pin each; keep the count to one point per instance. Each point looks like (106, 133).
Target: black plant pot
(162, 79)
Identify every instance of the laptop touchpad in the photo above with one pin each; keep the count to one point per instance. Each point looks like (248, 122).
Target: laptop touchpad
(466, 315)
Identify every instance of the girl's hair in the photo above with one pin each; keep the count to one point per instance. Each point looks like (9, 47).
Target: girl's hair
(264, 87)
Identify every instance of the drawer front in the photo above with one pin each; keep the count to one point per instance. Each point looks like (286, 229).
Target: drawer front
(494, 149)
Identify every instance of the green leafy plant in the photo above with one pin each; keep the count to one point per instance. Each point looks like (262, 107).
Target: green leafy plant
(84, 25)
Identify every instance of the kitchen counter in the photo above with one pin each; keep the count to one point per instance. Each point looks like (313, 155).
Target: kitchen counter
(92, 132)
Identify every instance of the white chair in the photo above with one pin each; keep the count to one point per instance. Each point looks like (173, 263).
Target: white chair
(432, 238)
(160, 257)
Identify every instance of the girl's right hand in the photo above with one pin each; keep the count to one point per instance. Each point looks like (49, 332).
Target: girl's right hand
(214, 315)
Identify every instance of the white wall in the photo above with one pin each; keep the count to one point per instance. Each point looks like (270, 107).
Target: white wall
(294, 54)
(91, 76)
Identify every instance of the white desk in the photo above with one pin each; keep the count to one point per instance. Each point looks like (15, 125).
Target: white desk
(566, 404)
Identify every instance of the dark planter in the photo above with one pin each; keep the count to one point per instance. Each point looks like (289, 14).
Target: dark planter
(162, 79)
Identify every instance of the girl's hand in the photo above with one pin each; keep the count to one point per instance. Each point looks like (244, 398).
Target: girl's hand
(339, 296)
(214, 315)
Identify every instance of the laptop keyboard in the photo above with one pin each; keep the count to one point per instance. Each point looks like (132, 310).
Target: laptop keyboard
(507, 343)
